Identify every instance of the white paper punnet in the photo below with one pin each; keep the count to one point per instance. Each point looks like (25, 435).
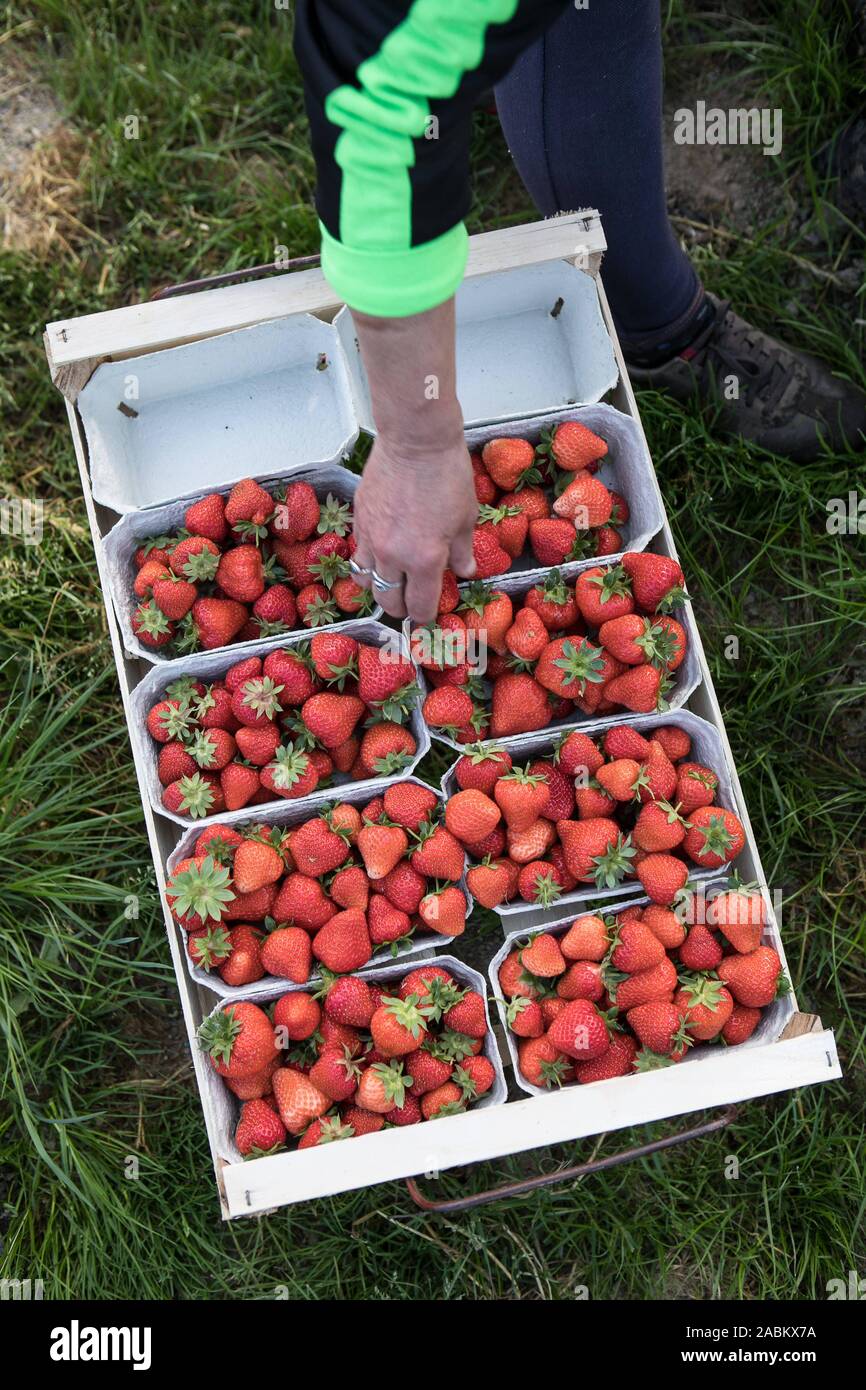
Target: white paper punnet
(225, 1107)
(210, 666)
(132, 530)
(773, 1018)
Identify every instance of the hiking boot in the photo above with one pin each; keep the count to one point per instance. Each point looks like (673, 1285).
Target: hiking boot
(786, 401)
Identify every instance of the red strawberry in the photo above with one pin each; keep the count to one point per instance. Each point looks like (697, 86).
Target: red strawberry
(469, 1016)
(603, 593)
(239, 785)
(445, 1100)
(741, 1024)
(543, 957)
(572, 446)
(569, 665)
(350, 887)
(207, 517)
(507, 526)
(292, 774)
(298, 1099)
(695, 786)
(218, 621)
(674, 741)
(398, 1027)
(714, 836)
(343, 944)
(752, 979)
(425, 1072)
(331, 718)
(258, 745)
(240, 574)
(276, 610)
(539, 882)
(408, 804)
(617, 1061)
(639, 689)
(480, 767)
(585, 502)
(381, 847)
(618, 778)
(591, 846)
(578, 755)
(385, 748)
(659, 1026)
(297, 516)
(247, 501)
(173, 763)
(286, 952)
(541, 1064)
(554, 602)
(580, 1031)
(659, 826)
(700, 950)
(662, 877)
(288, 668)
(335, 1073)
(507, 460)
(554, 541)
(259, 1131)
(527, 637)
(151, 625)
(404, 887)
(317, 848)
(239, 1039)
(255, 865)
(705, 1005)
(664, 924)
(444, 910)
(586, 939)
(560, 802)
(298, 1014)
(637, 948)
(150, 571)
(195, 558)
(488, 883)
(646, 986)
(386, 922)
(741, 915)
(475, 1076)
(490, 557)
(519, 705)
(655, 579)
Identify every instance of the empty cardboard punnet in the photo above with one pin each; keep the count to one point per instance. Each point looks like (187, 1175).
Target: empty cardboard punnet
(626, 469)
(257, 402)
(223, 1107)
(210, 666)
(707, 749)
(124, 539)
(686, 678)
(774, 1018)
(530, 341)
(289, 813)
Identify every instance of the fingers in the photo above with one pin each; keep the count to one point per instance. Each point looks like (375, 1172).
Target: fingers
(461, 559)
(363, 557)
(423, 588)
(390, 599)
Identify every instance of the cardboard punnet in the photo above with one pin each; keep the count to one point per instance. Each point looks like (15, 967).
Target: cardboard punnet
(289, 813)
(258, 402)
(209, 666)
(774, 1019)
(804, 1055)
(134, 528)
(707, 749)
(225, 1106)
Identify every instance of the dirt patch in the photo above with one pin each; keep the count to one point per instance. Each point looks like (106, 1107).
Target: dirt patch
(40, 166)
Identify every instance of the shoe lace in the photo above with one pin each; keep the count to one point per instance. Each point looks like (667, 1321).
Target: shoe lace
(731, 346)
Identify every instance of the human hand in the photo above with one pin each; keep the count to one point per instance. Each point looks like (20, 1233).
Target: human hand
(413, 516)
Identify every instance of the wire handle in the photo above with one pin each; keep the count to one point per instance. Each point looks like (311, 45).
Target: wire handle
(579, 1170)
(233, 277)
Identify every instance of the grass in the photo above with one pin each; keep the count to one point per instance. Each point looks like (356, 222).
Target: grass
(105, 1181)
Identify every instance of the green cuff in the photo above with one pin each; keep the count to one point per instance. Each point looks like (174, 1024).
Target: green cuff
(394, 284)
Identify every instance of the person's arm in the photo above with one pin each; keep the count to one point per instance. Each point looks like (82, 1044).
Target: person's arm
(389, 88)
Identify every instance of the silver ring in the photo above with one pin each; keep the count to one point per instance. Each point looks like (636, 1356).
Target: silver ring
(358, 569)
(386, 584)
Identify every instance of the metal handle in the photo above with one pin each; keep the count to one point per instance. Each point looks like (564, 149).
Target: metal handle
(232, 277)
(579, 1170)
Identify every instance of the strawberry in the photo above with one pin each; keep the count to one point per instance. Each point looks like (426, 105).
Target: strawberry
(241, 671)
(195, 558)
(297, 516)
(618, 778)
(259, 1131)
(256, 864)
(445, 1100)
(659, 826)
(700, 950)
(532, 501)
(151, 625)
(240, 573)
(714, 836)
(288, 668)
(207, 517)
(656, 580)
(664, 924)
(662, 876)
(439, 854)
(302, 901)
(150, 571)
(617, 1061)
(256, 702)
(490, 557)
(580, 1031)
(577, 754)
(753, 979)
(381, 847)
(696, 786)
(335, 1073)
(507, 460)
(444, 910)
(173, 763)
(258, 745)
(469, 1016)
(514, 981)
(586, 939)
(603, 593)
(675, 742)
(404, 887)
(425, 1072)
(591, 846)
(531, 843)
(554, 602)
(291, 774)
(276, 610)
(470, 815)
(741, 915)
(190, 796)
(488, 883)
(256, 1087)
(572, 446)
(213, 709)
(658, 776)
(519, 705)
(541, 1064)
(507, 526)
(386, 922)
(538, 882)
(639, 689)
(298, 1099)
(585, 502)
(741, 1024)
(217, 621)
(524, 1017)
(251, 907)
(343, 943)
(542, 957)
(286, 952)
(239, 1039)
(527, 637)
(474, 1076)
(646, 986)
(489, 613)
(554, 541)
(209, 947)
(399, 1026)
(331, 718)
(659, 1026)
(317, 848)
(408, 804)
(350, 887)
(169, 720)
(705, 1005)
(248, 502)
(560, 801)
(239, 785)
(298, 1014)
(568, 665)
(381, 673)
(334, 656)
(480, 766)
(608, 540)
(386, 748)
(636, 948)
